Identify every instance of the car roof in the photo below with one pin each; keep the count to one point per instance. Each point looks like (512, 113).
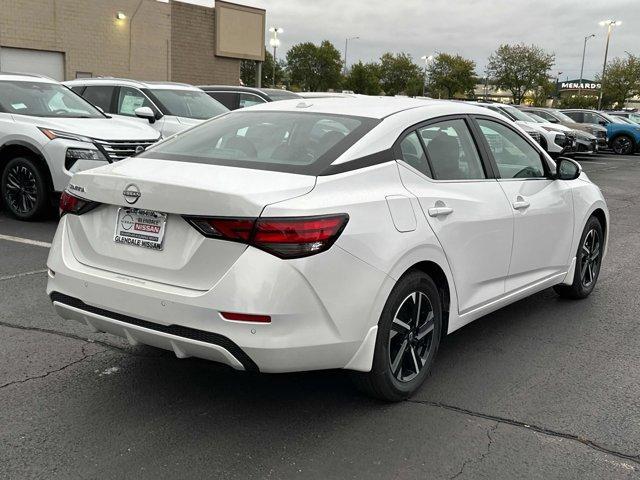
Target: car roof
(231, 88)
(25, 77)
(364, 106)
(127, 82)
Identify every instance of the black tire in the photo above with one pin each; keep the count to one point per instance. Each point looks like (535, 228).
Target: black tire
(588, 262)
(24, 189)
(393, 376)
(623, 145)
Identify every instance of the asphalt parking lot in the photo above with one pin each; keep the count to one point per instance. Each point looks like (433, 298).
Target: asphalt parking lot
(545, 388)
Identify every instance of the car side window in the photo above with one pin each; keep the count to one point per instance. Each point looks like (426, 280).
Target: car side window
(514, 156)
(228, 99)
(129, 99)
(451, 151)
(100, 96)
(590, 117)
(412, 153)
(249, 99)
(577, 116)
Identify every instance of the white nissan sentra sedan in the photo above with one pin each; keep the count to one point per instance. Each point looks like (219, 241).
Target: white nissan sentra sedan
(344, 233)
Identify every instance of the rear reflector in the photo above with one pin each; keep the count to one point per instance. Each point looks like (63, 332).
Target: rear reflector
(286, 237)
(245, 317)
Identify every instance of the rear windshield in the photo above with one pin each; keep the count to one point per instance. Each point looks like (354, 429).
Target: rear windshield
(186, 103)
(39, 99)
(296, 142)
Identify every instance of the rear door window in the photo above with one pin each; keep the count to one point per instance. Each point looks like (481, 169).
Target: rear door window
(413, 154)
(249, 99)
(100, 96)
(228, 99)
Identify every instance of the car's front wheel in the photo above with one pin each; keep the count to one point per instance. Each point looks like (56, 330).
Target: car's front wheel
(622, 145)
(588, 262)
(407, 341)
(24, 188)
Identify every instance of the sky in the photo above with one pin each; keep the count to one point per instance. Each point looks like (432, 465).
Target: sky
(471, 28)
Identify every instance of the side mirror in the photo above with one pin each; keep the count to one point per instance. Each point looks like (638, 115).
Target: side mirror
(603, 123)
(567, 169)
(145, 112)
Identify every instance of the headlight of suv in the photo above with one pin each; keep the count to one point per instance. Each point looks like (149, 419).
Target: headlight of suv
(75, 154)
(53, 134)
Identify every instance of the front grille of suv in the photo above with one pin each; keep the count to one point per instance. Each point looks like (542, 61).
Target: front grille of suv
(535, 135)
(116, 150)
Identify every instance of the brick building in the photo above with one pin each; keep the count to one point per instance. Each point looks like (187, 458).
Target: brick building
(139, 39)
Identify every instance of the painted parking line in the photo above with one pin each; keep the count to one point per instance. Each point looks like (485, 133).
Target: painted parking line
(23, 274)
(26, 241)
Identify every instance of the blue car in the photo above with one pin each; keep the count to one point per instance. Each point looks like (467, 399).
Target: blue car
(624, 138)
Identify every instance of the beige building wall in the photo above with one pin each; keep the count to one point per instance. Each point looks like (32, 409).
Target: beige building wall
(157, 40)
(91, 37)
(193, 57)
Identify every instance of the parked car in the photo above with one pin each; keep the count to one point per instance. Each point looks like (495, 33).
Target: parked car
(269, 246)
(234, 97)
(582, 142)
(624, 139)
(554, 141)
(556, 116)
(168, 107)
(632, 115)
(48, 133)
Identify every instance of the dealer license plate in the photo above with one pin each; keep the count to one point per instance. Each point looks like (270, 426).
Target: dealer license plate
(142, 228)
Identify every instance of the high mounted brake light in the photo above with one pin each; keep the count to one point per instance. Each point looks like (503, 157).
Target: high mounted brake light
(285, 237)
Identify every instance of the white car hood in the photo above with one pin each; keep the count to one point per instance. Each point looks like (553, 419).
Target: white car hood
(100, 128)
(532, 126)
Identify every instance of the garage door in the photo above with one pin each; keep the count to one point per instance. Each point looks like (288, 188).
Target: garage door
(21, 60)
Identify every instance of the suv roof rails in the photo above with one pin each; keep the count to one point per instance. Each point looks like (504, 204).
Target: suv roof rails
(139, 82)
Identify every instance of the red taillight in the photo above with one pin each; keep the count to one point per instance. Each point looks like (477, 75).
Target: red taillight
(287, 237)
(75, 205)
(245, 317)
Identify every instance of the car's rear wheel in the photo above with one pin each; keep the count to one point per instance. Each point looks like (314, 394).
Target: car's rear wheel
(407, 341)
(622, 145)
(24, 189)
(588, 262)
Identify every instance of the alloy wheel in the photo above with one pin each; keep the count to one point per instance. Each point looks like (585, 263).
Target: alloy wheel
(411, 337)
(21, 189)
(590, 259)
(622, 146)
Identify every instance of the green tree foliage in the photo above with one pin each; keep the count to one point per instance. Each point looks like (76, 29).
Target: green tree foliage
(519, 68)
(363, 78)
(248, 71)
(314, 67)
(399, 75)
(542, 93)
(450, 75)
(621, 81)
(579, 101)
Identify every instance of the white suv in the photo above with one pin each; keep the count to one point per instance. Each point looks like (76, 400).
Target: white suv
(48, 133)
(168, 107)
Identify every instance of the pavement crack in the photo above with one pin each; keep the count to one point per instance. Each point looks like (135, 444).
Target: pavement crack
(482, 456)
(542, 430)
(85, 356)
(65, 335)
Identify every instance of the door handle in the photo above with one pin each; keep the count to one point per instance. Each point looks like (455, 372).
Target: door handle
(521, 203)
(440, 211)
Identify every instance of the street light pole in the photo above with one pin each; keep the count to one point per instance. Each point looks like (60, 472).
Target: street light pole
(275, 43)
(584, 50)
(346, 45)
(610, 24)
(426, 59)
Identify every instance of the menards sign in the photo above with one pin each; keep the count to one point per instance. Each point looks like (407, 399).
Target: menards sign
(577, 85)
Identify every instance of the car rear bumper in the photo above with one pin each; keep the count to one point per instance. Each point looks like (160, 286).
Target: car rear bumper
(316, 322)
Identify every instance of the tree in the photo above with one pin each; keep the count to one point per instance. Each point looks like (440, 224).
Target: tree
(519, 68)
(248, 71)
(363, 78)
(579, 101)
(542, 93)
(398, 74)
(621, 81)
(451, 75)
(314, 68)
